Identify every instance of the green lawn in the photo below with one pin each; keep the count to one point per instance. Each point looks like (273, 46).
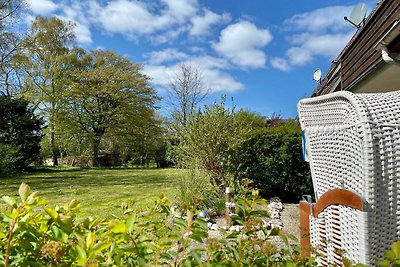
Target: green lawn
(100, 191)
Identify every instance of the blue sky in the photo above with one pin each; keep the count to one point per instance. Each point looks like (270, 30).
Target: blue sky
(261, 52)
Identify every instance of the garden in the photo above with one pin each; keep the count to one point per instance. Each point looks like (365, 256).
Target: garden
(93, 174)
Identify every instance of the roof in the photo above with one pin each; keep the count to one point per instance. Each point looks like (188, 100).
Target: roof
(360, 59)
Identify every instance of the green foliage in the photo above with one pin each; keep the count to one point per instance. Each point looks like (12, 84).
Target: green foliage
(43, 58)
(20, 134)
(109, 90)
(194, 190)
(272, 159)
(210, 137)
(8, 159)
(392, 257)
(34, 234)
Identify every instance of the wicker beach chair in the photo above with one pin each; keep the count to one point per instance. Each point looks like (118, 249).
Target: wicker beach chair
(352, 142)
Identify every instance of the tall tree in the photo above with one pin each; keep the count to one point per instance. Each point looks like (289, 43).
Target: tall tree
(43, 58)
(107, 89)
(9, 41)
(186, 91)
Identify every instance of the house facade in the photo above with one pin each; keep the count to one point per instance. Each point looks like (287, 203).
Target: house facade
(370, 61)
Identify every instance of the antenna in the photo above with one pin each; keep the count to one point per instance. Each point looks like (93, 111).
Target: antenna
(357, 15)
(317, 76)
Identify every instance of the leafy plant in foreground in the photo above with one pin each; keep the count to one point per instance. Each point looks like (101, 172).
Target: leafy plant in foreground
(34, 234)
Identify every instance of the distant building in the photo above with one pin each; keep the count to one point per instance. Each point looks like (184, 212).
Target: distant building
(369, 62)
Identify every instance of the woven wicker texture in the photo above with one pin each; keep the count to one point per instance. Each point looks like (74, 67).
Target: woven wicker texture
(353, 142)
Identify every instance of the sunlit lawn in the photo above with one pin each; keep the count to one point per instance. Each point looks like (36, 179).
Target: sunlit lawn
(100, 191)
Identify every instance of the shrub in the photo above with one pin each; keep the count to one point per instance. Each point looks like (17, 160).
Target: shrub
(8, 159)
(209, 137)
(195, 191)
(20, 131)
(272, 159)
(34, 234)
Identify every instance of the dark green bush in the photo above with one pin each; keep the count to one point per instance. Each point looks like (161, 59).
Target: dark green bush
(8, 159)
(272, 159)
(20, 131)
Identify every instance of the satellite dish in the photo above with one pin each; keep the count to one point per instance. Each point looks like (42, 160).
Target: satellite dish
(317, 75)
(357, 15)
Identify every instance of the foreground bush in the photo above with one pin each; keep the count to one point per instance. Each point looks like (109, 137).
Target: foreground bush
(33, 234)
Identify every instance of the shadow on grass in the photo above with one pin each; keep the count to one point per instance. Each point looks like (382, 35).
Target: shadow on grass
(55, 170)
(50, 178)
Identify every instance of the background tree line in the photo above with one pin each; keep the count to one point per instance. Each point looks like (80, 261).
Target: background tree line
(97, 107)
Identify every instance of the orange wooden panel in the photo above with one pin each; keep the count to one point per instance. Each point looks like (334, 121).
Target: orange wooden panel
(338, 197)
(305, 242)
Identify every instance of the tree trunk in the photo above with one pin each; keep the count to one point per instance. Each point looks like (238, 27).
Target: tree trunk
(53, 145)
(54, 148)
(96, 144)
(98, 133)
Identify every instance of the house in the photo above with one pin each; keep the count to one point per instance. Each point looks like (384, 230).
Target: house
(369, 62)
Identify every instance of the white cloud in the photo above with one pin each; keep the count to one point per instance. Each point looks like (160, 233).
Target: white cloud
(128, 17)
(280, 64)
(42, 7)
(298, 56)
(213, 70)
(201, 24)
(321, 32)
(326, 45)
(161, 22)
(321, 20)
(159, 74)
(220, 81)
(181, 9)
(75, 12)
(242, 43)
(166, 55)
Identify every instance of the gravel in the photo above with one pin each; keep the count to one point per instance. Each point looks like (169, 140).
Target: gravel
(290, 217)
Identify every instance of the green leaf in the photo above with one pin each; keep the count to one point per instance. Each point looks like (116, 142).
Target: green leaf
(259, 212)
(198, 235)
(202, 223)
(73, 204)
(196, 255)
(237, 219)
(32, 198)
(233, 235)
(284, 239)
(53, 213)
(90, 239)
(166, 256)
(384, 262)
(182, 223)
(275, 231)
(396, 249)
(95, 251)
(24, 191)
(290, 264)
(59, 234)
(117, 226)
(81, 254)
(10, 201)
(166, 209)
(142, 262)
(390, 255)
(130, 222)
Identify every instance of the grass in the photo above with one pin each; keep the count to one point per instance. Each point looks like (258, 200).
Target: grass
(100, 191)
